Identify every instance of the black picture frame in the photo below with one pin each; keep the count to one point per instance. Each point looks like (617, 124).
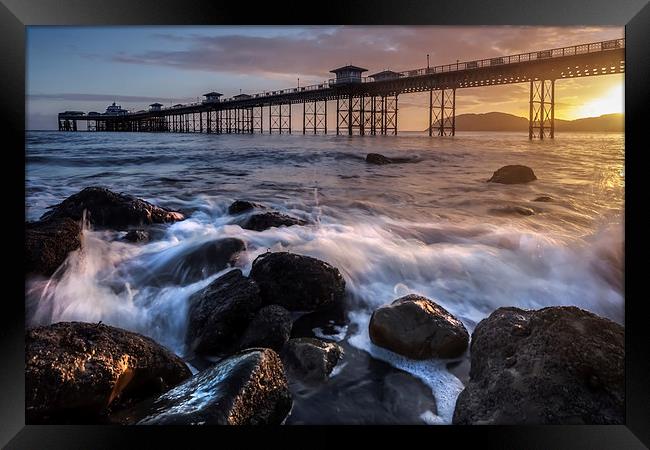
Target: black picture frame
(633, 14)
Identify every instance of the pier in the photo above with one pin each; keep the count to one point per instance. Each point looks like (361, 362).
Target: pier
(368, 105)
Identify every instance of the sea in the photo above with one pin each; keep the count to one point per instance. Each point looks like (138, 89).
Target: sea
(430, 225)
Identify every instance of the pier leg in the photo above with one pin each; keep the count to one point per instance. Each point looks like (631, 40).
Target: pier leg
(442, 112)
(541, 120)
(304, 117)
(430, 112)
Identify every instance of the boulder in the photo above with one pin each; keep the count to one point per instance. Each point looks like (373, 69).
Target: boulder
(220, 313)
(241, 206)
(376, 158)
(249, 388)
(418, 328)
(557, 365)
(196, 262)
(136, 236)
(75, 371)
(109, 209)
(264, 221)
(270, 328)
(297, 282)
(310, 359)
(543, 198)
(48, 242)
(513, 174)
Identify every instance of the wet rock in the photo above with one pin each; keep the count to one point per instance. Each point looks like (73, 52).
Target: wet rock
(557, 365)
(418, 328)
(309, 359)
(75, 371)
(48, 243)
(197, 262)
(270, 328)
(543, 198)
(513, 174)
(109, 209)
(297, 282)
(241, 206)
(136, 236)
(376, 158)
(264, 221)
(249, 388)
(220, 313)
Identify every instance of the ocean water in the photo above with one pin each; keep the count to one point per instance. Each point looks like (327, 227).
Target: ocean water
(431, 225)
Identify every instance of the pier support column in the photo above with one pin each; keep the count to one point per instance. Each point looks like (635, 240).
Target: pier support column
(541, 120)
(389, 114)
(442, 112)
(257, 119)
(315, 117)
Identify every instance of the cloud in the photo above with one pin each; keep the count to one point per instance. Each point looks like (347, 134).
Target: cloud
(74, 97)
(317, 50)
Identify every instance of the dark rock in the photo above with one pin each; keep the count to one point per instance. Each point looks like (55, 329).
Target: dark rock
(48, 242)
(105, 208)
(558, 365)
(240, 206)
(264, 221)
(543, 198)
(514, 174)
(136, 236)
(270, 328)
(219, 314)
(328, 321)
(297, 282)
(364, 391)
(76, 371)
(197, 262)
(249, 388)
(376, 158)
(418, 328)
(309, 359)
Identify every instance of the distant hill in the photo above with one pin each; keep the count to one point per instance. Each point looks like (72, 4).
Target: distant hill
(498, 121)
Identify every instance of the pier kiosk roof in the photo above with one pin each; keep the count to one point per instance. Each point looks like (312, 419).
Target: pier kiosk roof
(348, 74)
(241, 96)
(385, 75)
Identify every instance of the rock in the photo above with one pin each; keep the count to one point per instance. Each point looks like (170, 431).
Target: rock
(514, 174)
(76, 370)
(376, 158)
(197, 262)
(543, 198)
(418, 328)
(297, 282)
(557, 365)
(264, 221)
(219, 314)
(48, 242)
(136, 236)
(309, 359)
(249, 388)
(105, 208)
(240, 206)
(270, 328)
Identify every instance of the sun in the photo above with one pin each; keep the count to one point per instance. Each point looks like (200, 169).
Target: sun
(610, 102)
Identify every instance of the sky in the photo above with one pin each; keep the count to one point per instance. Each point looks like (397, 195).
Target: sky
(87, 68)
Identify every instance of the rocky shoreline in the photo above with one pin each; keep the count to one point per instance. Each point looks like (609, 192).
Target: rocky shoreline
(553, 365)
